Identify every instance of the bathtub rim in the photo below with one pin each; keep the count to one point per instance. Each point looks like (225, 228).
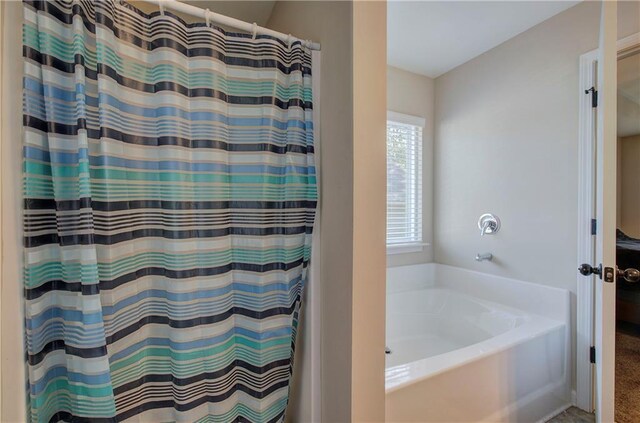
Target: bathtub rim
(468, 355)
(551, 311)
(437, 272)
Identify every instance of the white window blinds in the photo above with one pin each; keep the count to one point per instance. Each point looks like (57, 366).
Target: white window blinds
(404, 181)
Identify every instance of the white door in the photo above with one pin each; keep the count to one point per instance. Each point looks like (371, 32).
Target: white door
(606, 145)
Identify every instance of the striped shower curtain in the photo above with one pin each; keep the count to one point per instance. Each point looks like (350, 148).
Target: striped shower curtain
(169, 197)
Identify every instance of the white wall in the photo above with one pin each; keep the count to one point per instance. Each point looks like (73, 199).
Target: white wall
(11, 320)
(506, 142)
(1, 138)
(353, 185)
(330, 24)
(369, 211)
(413, 94)
(629, 185)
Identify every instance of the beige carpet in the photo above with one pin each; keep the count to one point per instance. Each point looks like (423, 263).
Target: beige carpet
(627, 378)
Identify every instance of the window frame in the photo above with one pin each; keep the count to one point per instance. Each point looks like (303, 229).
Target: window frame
(418, 246)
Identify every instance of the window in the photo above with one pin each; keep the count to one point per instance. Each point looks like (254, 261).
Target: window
(404, 183)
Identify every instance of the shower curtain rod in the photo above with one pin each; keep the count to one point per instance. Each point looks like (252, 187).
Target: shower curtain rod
(210, 16)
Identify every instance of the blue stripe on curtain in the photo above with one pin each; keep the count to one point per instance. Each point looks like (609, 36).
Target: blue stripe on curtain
(170, 194)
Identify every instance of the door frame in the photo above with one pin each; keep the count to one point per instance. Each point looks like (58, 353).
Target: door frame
(585, 298)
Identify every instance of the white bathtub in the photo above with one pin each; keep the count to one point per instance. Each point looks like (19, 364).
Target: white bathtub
(469, 347)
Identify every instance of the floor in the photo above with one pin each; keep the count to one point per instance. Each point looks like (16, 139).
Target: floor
(627, 378)
(573, 415)
(627, 384)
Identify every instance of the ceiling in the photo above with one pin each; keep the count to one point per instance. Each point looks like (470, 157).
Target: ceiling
(433, 37)
(629, 96)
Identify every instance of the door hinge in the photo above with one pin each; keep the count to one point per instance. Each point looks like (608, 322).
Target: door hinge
(594, 226)
(594, 96)
(592, 354)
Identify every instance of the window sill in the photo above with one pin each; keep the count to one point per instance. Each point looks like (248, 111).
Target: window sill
(406, 248)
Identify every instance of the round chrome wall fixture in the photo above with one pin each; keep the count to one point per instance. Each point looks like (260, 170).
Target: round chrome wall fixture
(488, 224)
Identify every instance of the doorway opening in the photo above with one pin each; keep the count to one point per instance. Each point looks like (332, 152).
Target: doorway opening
(627, 321)
(627, 369)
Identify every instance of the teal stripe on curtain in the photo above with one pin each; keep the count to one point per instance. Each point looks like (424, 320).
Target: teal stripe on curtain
(169, 200)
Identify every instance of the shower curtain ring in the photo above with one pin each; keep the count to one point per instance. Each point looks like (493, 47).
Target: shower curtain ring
(254, 31)
(206, 16)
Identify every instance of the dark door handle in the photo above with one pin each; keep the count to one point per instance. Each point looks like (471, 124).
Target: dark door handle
(586, 270)
(630, 275)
